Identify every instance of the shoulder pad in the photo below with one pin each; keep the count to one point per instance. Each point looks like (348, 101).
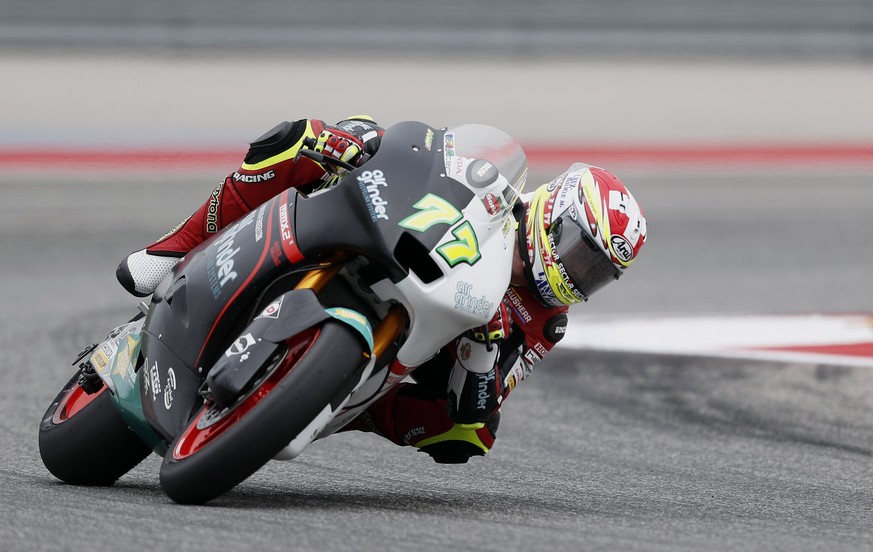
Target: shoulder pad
(555, 328)
(276, 140)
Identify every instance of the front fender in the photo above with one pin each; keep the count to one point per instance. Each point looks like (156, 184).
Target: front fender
(288, 315)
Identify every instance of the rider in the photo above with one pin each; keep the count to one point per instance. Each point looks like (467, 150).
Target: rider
(580, 232)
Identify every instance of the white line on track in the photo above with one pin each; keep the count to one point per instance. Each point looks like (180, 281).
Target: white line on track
(844, 339)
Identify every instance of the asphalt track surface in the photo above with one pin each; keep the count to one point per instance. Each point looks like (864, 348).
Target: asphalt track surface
(595, 451)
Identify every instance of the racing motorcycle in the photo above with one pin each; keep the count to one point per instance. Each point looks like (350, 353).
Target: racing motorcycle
(288, 323)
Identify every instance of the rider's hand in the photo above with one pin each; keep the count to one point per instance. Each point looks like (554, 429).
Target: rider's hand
(333, 142)
(497, 329)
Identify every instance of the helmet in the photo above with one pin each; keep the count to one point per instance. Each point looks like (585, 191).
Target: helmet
(582, 230)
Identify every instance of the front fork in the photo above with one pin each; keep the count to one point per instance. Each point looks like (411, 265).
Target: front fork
(386, 332)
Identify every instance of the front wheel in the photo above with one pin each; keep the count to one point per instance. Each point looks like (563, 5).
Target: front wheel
(221, 447)
(83, 439)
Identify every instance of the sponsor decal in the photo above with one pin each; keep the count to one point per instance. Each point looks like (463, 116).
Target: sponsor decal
(541, 349)
(555, 328)
(532, 357)
(549, 255)
(483, 389)
(253, 178)
(146, 380)
(169, 388)
(449, 150)
(259, 224)
(482, 173)
(289, 245)
(350, 315)
(272, 310)
(517, 306)
(544, 288)
(492, 204)
(355, 320)
(351, 124)
(553, 185)
(155, 381)
(100, 359)
(414, 432)
(563, 271)
(465, 350)
(122, 363)
(212, 210)
(275, 251)
(562, 198)
(370, 182)
(465, 302)
(224, 262)
(428, 140)
(620, 246)
(517, 373)
(573, 214)
(221, 271)
(589, 194)
(241, 345)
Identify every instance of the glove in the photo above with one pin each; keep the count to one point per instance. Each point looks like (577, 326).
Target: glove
(497, 329)
(336, 143)
(365, 129)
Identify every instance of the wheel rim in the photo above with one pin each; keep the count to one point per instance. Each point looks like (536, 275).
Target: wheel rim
(73, 402)
(209, 423)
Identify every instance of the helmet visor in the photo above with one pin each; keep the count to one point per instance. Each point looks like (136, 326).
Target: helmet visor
(584, 263)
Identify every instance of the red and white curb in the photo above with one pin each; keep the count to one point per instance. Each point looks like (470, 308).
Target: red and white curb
(814, 338)
(688, 156)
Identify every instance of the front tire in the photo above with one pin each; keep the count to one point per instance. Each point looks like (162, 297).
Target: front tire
(83, 439)
(220, 448)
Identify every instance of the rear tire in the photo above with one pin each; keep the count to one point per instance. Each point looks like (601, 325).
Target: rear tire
(320, 367)
(83, 439)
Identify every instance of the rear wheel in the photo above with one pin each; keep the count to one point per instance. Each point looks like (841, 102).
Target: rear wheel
(83, 439)
(221, 447)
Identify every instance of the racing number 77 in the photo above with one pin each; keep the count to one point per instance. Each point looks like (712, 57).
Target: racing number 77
(433, 209)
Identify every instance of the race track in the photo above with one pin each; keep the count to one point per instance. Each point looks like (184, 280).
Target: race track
(596, 451)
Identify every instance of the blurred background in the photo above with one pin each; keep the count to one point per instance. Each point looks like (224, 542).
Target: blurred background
(752, 29)
(744, 128)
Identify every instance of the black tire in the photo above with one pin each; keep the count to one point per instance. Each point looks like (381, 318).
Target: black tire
(83, 439)
(323, 374)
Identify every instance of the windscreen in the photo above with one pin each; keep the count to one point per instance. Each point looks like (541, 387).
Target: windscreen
(489, 162)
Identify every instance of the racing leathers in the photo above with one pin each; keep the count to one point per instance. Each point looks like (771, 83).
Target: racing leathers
(452, 409)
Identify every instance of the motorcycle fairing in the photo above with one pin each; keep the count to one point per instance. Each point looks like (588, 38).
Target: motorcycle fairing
(220, 285)
(168, 390)
(287, 316)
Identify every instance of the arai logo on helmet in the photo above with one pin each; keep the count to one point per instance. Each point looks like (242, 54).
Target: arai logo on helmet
(621, 248)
